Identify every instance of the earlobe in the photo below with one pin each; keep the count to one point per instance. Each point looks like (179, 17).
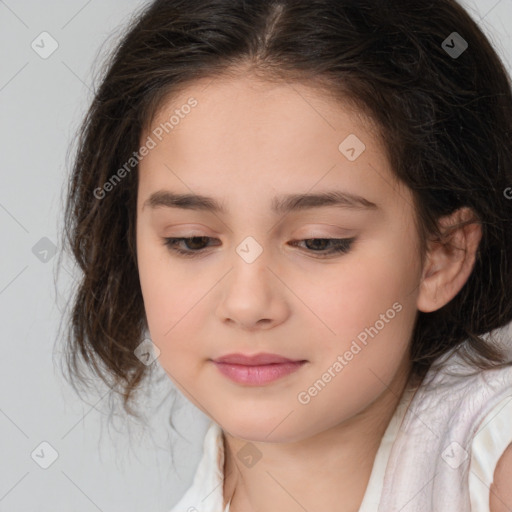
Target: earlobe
(449, 261)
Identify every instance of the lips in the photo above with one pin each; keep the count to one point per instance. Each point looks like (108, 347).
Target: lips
(256, 370)
(255, 360)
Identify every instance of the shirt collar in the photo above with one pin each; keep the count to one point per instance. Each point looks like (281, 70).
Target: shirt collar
(206, 492)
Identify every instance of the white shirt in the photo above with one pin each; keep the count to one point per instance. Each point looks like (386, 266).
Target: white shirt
(438, 453)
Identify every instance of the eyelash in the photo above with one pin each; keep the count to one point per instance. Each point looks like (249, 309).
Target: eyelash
(342, 246)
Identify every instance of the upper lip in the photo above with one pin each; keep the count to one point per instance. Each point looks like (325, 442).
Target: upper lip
(254, 360)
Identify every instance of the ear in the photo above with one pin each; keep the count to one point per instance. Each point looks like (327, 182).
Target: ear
(449, 261)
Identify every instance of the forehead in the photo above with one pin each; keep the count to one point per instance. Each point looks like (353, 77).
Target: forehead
(263, 138)
(244, 106)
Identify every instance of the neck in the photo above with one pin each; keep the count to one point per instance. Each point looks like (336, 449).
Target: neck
(309, 474)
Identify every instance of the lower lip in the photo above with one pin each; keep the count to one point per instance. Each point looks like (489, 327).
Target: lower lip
(257, 375)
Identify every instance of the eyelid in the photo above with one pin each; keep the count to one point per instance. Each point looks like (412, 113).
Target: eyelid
(335, 231)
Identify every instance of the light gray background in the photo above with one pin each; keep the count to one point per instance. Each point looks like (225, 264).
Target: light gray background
(42, 102)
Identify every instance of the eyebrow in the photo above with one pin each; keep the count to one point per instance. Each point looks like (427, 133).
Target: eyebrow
(280, 204)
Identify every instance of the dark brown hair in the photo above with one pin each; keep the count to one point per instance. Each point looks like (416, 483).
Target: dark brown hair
(444, 119)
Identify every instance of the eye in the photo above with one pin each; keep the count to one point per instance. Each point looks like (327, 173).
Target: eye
(194, 241)
(196, 245)
(338, 245)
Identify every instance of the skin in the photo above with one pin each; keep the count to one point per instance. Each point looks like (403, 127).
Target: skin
(500, 496)
(244, 143)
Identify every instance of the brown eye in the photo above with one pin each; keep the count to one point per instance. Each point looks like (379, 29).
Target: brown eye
(319, 245)
(194, 244)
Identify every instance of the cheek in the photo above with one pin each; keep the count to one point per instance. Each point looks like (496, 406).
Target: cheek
(158, 289)
(364, 355)
(171, 305)
(353, 295)
(370, 311)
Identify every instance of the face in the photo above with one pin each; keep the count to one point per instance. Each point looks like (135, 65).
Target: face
(332, 286)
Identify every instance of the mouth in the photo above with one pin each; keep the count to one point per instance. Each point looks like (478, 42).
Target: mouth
(256, 370)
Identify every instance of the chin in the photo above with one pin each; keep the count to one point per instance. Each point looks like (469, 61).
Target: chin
(262, 430)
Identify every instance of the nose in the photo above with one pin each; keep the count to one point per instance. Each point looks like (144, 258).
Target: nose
(253, 297)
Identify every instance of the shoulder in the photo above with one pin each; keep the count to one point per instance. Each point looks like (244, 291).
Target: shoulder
(491, 459)
(500, 499)
(471, 415)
